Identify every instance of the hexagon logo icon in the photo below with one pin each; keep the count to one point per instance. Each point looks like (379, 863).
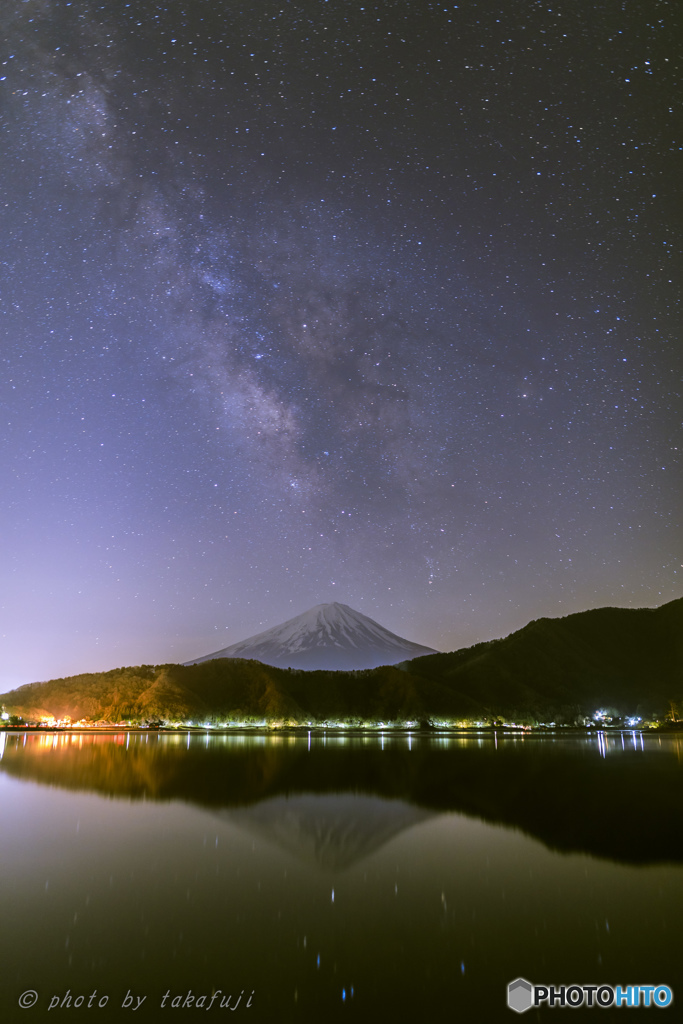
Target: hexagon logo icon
(520, 995)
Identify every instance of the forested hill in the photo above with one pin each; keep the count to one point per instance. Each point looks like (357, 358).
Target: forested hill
(626, 660)
(621, 658)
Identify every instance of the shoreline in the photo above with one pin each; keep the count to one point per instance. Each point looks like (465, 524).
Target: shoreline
(321, 730)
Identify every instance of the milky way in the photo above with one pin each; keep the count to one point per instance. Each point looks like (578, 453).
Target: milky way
(317, 301)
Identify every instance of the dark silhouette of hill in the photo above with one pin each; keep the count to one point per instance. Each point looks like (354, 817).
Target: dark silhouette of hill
(621, 658)
(232, 690)
(629, 660)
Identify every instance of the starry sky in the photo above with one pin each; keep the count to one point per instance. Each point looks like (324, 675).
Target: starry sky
(311, 300)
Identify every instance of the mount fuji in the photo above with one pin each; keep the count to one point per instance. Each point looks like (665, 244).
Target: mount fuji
(327, 636)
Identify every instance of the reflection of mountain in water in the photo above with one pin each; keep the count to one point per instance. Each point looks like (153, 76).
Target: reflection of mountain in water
(332, 831)
(610, 797)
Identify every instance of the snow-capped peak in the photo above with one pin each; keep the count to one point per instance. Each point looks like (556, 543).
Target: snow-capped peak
(327, 636)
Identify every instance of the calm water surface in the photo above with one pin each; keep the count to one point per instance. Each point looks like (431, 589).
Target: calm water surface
(330, 878)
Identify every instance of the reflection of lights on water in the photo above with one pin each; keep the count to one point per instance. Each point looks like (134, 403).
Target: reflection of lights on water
(2, 743)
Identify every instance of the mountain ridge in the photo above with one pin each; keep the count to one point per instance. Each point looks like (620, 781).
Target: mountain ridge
(627, 662)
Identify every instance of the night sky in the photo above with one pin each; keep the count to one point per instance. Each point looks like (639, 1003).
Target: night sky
(314, 301)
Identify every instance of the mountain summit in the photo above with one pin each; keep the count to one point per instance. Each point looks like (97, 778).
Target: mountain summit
(328, 636)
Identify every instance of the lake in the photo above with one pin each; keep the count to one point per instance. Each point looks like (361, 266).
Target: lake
(334, 877)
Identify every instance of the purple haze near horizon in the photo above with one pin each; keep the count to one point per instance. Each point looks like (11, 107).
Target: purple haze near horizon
(323, 302)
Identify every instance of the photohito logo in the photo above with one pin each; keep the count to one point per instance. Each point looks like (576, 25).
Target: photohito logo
(522, 995)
